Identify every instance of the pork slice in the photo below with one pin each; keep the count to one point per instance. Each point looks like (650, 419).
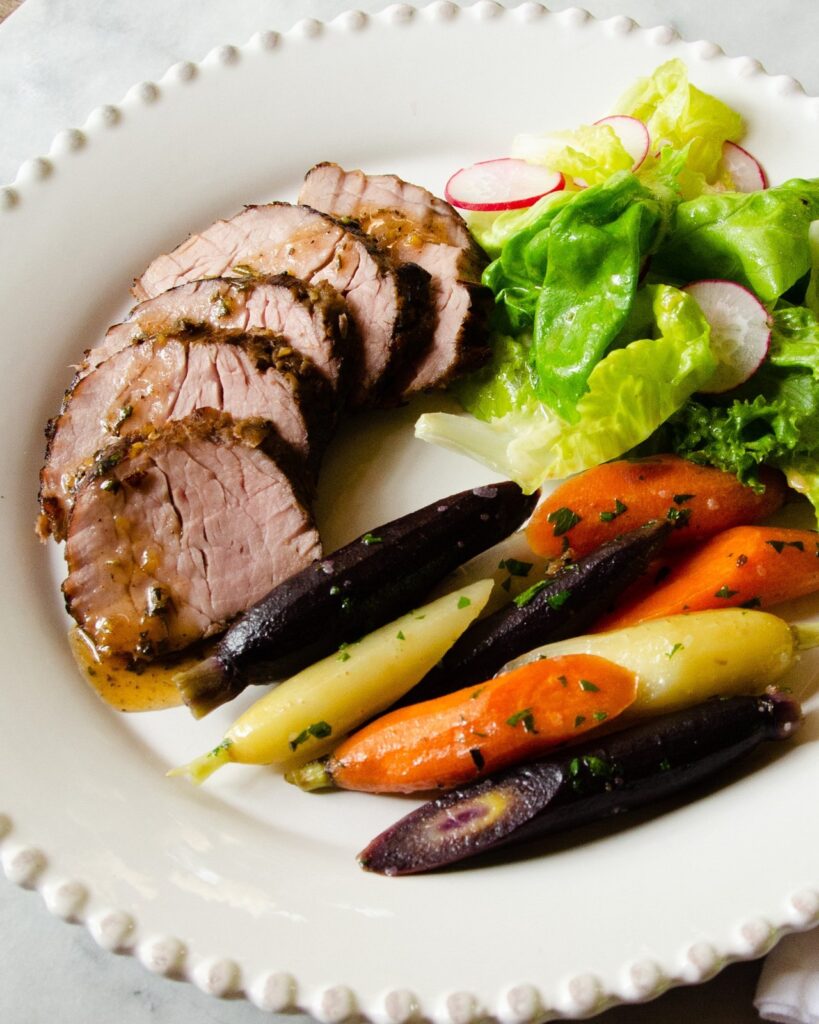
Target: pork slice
(154, 381)
(415, 226)
(174, 533)
(387, 304)
(311, 319)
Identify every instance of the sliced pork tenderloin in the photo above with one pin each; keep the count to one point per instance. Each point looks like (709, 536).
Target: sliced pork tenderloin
(174, 533)
(388, 304)
(156, 380)
(415, 226)
(311, 319)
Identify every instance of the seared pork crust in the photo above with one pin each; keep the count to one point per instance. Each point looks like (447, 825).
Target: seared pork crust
(384, 305)
(155, 380)
(175, 532)
(415, 226)
(311, 319)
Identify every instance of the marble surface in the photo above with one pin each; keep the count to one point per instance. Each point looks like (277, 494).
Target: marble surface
(58, 60)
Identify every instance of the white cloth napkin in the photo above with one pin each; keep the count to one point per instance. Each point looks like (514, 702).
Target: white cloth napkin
(788, 989)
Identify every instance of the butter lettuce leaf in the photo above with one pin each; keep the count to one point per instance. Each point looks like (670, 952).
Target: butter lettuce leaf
(680, 115)
(596, 248)
(591, 153)
(569, 276)
(505, 384)
(492, 231)
(759, 239)
(631, 392)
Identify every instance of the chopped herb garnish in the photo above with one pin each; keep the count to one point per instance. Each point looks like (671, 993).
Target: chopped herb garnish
(370, 538)
(596, 765)
(400, 635)
(563, 519)
(110, 484)
(579, 720)
(464, 602)
(752, 602)
(673, 651)
(124, 413)
(334, 590)
(678, 516)
(778, 545)
(476, 693)
(477, 757)
(415, 615)
(725, 591)
(741, 560)
(524, 718)
(559, 599)
(589, 687)
(480, 735)
(528, 595)
(243, 270)
(681, 499)
(515, 567)
(561, 679)
(619, 509)
(507, 583)
(343, 656)
(346, 603)
(574, 766)
(218, 751)
(600, 716)
(665, 765)
(318, 730)
(108, 460)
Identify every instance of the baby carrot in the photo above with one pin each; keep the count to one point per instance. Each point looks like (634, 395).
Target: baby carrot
(593, 507)
(477, 730)
(748, 566)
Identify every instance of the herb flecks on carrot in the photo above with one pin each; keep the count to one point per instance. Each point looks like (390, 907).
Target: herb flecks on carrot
(612, 499)
(473, 732)
(748, 566)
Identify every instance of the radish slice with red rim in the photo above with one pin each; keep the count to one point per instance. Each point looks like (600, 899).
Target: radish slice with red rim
(633, 135)
(746, 171)
(504, 184)
(740, 331)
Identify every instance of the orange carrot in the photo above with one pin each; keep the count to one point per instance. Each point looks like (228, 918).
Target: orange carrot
(472, 732)
(604, 502)
(752, 566)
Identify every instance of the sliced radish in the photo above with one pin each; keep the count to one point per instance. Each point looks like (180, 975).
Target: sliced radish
(740, 331)
(504, 184)
(633, 135)
(745, 170)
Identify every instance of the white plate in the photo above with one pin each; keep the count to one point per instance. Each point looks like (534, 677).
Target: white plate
(249, 885)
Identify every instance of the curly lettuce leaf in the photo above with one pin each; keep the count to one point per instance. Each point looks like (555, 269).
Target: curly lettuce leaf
(631, 392)
(682, 116)
(773, 419)
(759, 239)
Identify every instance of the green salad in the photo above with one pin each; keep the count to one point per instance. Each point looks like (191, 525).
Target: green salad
(597, 351)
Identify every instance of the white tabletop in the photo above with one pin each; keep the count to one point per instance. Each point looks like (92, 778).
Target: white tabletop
(58, 60)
